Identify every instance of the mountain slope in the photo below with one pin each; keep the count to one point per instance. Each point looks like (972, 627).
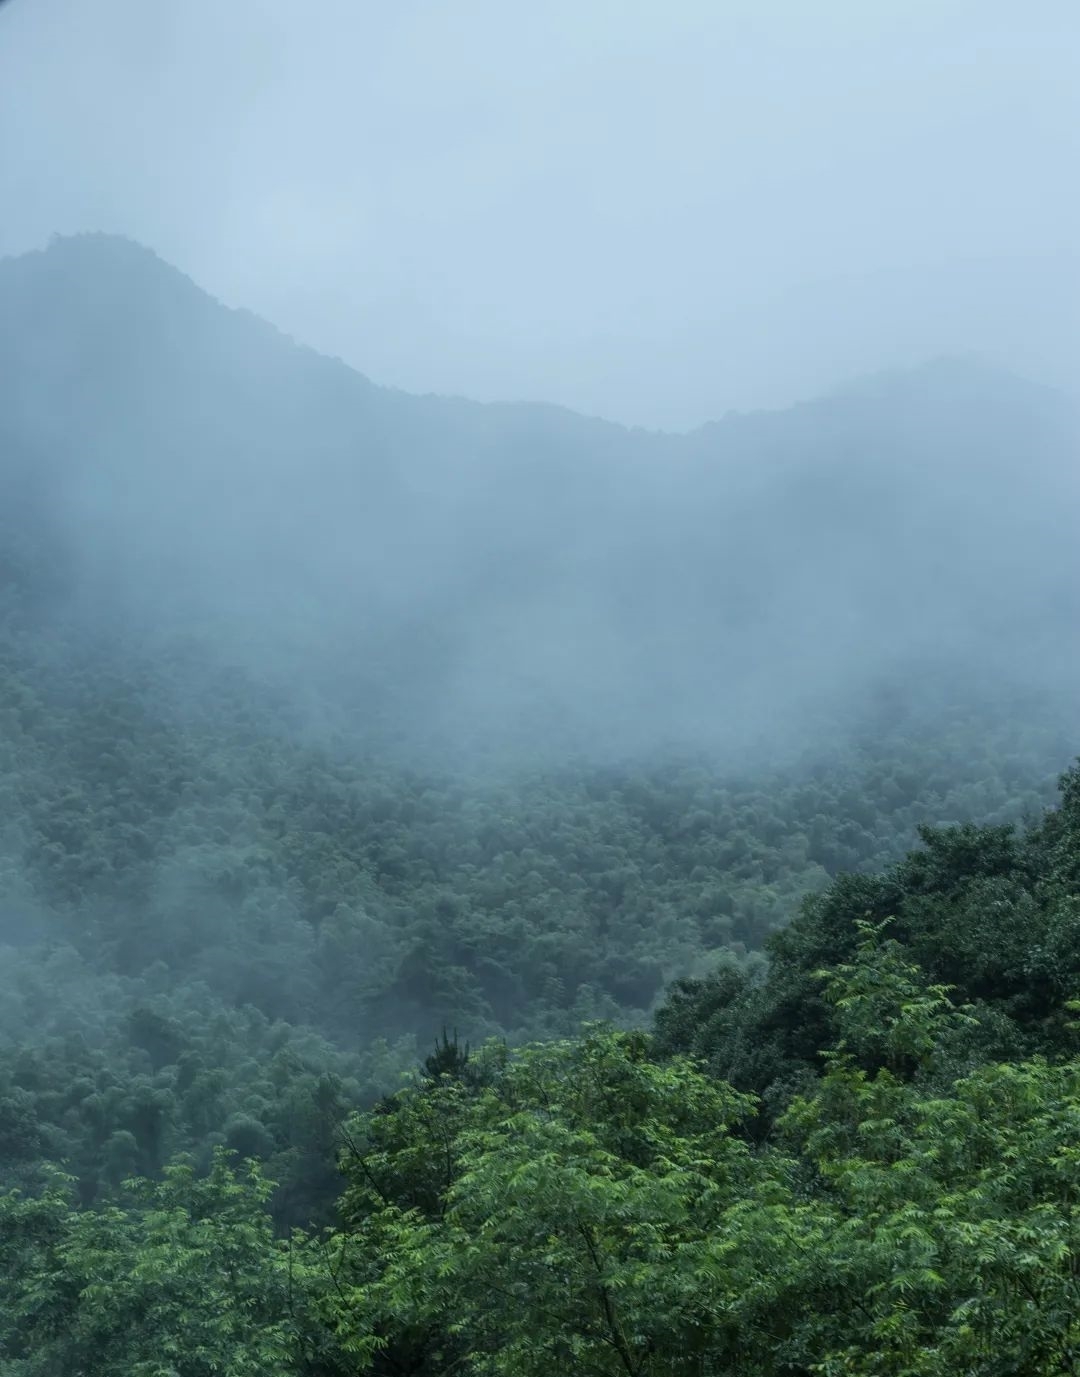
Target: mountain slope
(267, 630)
(450, 571)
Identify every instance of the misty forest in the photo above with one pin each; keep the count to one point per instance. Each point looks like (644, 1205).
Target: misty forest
(484, 890)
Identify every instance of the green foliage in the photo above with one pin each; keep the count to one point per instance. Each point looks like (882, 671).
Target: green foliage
(188, 1282)
(888, 1015)
(987, 911)
(244, 876)
(907, 1209)
(954, 1227)
(594, 1210)
(201, 901)
(77, 1090)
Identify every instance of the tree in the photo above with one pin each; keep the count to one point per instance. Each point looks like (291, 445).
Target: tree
(596, 1214)
(191, 1283)
(954, 1230)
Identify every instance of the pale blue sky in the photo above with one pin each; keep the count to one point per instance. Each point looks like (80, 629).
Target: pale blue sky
(650, 211)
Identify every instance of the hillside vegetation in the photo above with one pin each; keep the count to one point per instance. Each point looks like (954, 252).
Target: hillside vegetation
(342, 729)
(901, 1202)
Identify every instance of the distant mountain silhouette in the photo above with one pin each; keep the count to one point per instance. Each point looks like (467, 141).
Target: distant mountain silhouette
(184, 476)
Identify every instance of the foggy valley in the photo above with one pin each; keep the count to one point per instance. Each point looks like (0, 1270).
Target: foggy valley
(488, 887)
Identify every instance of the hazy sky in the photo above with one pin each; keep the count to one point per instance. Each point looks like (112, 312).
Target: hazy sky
(651, 211)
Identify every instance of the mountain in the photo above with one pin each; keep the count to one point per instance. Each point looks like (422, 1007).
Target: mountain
(445, 570)
(331, 717)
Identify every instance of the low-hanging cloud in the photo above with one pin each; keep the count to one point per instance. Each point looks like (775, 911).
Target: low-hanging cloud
(653, 213)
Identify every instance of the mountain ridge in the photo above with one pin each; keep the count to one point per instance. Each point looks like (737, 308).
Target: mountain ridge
(66, 250)
(480, 571)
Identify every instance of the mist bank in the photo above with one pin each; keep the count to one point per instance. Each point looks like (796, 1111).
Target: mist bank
(427, 574)
(331, 717)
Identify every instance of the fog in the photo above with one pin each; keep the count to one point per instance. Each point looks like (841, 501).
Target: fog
(651, 213)
(189, 487)
(702, 224)
(245, 537)
(499, 505)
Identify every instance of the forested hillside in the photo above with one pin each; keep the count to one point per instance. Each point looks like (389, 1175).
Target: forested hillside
(335, 721)
(901, 1199)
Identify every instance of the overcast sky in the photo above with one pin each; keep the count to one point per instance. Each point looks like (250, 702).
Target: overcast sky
(651, 210)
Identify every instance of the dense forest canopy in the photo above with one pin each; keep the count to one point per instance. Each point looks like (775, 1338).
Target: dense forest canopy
(339, 725)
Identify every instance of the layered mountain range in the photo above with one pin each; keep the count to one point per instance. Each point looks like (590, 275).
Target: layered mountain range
(442, 574)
